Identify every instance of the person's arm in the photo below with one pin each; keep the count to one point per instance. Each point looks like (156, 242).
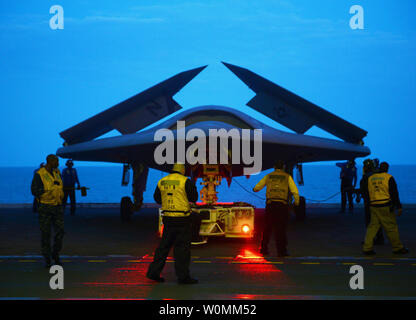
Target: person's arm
(191, 191)
(157, 196)
(261, 184)
(340, 164)
(394, 194)
(76, 178)
(37, 187)
(294, 190)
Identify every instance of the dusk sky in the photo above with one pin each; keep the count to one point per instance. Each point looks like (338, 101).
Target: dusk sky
(111, 50)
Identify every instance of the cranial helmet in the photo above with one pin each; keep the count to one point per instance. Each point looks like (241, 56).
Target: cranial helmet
(368, 163)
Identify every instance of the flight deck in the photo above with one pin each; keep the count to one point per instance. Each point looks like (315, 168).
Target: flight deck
(106, 258)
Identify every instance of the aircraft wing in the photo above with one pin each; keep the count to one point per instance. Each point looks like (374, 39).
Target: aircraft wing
(134, 113)
(140, 147)
(293, 111)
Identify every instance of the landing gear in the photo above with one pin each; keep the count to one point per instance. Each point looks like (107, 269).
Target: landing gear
(126, 209)
(127, 205)
(300, 211)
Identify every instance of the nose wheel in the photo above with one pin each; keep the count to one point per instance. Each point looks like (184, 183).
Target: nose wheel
(126, 209)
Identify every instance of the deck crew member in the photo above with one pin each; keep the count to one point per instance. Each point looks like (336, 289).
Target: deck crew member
(368, 170)
(348, 178)
(174, 192)
(47, 187)
(384, 198)
(70, 179)
(279, 184)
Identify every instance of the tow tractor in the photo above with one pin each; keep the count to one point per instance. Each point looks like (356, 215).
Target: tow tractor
(231, 219)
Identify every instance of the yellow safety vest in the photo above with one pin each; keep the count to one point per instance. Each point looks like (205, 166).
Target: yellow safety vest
(173, 193)
(378, 188)
(53, 194)
(277, 186)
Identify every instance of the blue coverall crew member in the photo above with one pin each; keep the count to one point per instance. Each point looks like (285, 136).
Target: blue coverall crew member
(348, 178)
(368, 170)
(70, 178)
(174, 192)
(47, 187)
(278, 184)
(384, 198)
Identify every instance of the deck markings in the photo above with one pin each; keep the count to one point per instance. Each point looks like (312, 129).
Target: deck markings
(239, 259)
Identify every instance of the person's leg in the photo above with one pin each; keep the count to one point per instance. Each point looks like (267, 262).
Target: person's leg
(161, 253)
(343, 197)
(58, 226)
(45, 229)
(65, 200)
(195, 227)
(73, 201)
(350, 200)
(371, 229)
(267, 228)
(389, 223)
(367, 215)
(379, 239)
(282, 218)
(182, 252)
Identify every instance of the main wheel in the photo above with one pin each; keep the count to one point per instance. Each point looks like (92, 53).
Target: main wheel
(300, 211)
(126, 209)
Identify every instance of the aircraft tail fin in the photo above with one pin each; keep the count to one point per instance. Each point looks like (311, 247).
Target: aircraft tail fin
(134, 113)
(292, 110)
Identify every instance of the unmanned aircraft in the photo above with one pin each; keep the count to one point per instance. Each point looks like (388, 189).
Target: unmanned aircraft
(137, 145)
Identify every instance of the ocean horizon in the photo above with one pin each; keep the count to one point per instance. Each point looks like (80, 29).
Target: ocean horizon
(321, 182)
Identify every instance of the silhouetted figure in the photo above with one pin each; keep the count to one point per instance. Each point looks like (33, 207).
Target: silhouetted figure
(70, 179)
(348, 178)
